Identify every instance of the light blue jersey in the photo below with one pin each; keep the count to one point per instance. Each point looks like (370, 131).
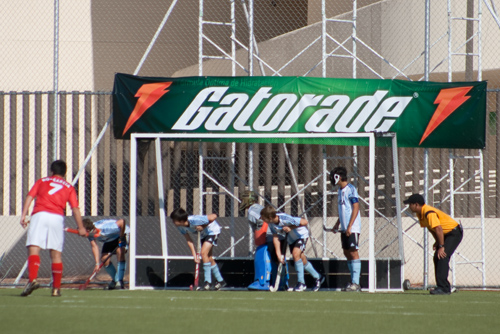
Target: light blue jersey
(197, 220)
(109, 230)
(347, 196)
(295, 234)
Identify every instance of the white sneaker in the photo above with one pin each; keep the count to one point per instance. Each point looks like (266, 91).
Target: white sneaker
(300, 287)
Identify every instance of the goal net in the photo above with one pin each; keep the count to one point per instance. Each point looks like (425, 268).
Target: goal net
(207, 173)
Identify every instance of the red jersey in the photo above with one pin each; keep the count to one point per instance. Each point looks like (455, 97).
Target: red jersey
(51, 195)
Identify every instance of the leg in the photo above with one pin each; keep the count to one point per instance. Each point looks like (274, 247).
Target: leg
(355, 265)
(33, 262)
(299, 267)
(120, 272)
(442, 266)
(206, 256)
(319, 279)
(107, 248)
(216, 273)
(57, 270)
(350, 247)
(33, 266)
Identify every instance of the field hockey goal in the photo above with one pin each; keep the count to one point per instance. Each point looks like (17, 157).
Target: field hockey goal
(207, 173)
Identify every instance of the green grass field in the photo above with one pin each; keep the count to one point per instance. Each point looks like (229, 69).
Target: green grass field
(172, 311)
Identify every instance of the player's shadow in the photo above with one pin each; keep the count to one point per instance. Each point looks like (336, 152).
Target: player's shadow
(154, 279)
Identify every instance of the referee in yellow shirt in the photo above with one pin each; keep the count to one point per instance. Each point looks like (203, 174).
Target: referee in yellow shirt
(447, 233)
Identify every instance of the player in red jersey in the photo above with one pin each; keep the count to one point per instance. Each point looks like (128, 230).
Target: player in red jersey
(46, 228)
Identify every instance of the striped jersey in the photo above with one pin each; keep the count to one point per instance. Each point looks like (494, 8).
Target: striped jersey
(347, 196)
(198, 220)
(300, 232)
(109, 230)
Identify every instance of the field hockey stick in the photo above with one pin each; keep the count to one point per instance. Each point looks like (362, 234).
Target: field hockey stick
(197, 267)
(330, 229)
(280, 268)
(94, 273)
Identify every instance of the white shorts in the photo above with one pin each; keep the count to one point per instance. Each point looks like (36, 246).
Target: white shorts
(46, 230)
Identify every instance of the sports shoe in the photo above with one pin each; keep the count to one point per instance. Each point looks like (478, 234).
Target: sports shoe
(318, 283)
(346, 287)
(439, 291)
(300, 287)
(207, 286)
(111, 285)
(353, 287)
(122, 284)
(56, 292)
(29, 288)
(219, 285)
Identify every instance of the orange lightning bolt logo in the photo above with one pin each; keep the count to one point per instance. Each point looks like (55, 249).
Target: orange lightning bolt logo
(449, 100)
(148, 94)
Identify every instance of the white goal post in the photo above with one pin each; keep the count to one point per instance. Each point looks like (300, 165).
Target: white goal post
(370, 138)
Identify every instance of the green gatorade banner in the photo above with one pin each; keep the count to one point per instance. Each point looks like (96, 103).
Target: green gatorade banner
(422, 114)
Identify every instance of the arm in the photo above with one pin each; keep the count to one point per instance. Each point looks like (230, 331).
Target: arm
(211, 217)
(191, 247)
(26, 206)
(95, 252)
(289, 228)
(121, 224)
(439, 236)
(354, 214)
(78, 217)
(277, 247)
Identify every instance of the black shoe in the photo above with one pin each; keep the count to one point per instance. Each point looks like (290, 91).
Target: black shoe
(219, 285)
(122, 284)
(318, 283)
(207, 286)
(29, 288)
(439, 291)
(111, 285)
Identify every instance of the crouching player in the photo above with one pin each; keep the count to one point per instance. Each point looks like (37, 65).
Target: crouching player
(209, 229)
(297, 232)
(112, 233)
(263, 242)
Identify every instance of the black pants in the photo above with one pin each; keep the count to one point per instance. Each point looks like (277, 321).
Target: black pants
(442, 266)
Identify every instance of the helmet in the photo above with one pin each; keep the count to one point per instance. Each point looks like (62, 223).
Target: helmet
(247, 200)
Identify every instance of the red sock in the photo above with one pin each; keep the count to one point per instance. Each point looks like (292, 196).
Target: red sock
(57, 270)
(33, 266)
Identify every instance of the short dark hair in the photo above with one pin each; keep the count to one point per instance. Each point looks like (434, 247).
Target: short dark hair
(340, 171)
(179, 215)
(88, 224)
(58, 167)
(415, 198)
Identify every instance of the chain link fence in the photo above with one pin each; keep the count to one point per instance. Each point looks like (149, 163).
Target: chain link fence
(58, 62)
